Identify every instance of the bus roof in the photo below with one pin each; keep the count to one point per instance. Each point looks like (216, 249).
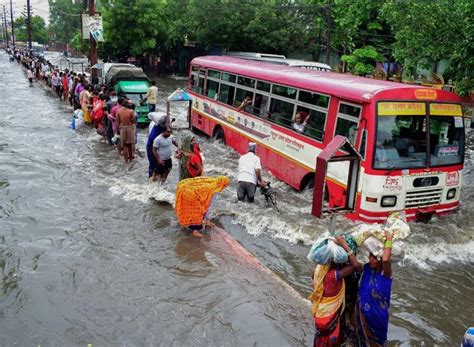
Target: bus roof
(342, 85)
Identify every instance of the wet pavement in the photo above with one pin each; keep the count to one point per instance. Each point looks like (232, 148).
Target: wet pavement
(91, 252)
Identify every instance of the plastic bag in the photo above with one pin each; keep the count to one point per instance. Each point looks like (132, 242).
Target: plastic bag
(325, 251)
(77, 119)
(116, 139)
(157, 117)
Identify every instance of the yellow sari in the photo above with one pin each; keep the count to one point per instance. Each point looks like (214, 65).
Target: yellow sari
(193, 197)
(326, 310)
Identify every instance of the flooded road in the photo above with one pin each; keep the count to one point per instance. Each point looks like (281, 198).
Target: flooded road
(91, 252)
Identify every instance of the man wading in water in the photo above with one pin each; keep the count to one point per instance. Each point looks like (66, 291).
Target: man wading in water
(162, 151)
(249, 174)
(126, 124)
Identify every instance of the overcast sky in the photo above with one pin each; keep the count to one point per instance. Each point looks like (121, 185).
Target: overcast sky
(40, 7)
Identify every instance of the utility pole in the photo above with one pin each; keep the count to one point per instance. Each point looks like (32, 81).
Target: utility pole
(13, 27)
(329, 35)
(3, 31)
(93, 44)
(4, 17)
(28, 22)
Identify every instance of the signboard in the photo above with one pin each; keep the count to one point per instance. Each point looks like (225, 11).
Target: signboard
(448, 150)
(425, 94)
(96, 29)
(401, 109)
(85, 26)
(445, 109)
(92, 26)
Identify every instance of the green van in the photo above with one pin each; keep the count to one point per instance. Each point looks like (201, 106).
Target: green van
(136, 92)
(132, 82)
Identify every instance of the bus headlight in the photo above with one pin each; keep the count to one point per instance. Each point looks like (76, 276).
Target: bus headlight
(451, 194)
(388, 201)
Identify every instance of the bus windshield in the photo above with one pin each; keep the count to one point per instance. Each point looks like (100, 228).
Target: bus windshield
(402, 141)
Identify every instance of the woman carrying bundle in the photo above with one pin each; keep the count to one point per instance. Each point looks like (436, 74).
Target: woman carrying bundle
(328, 297)
(373, 301)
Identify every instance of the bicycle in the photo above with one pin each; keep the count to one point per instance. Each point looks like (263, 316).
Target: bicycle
(270, 196)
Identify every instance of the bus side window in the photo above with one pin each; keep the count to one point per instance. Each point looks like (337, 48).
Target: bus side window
(212, 88)
(347, 129)
(347, 121)
(315, 126)
(201, 84)
(281, 112)
(226, 94)
(240, 95)
(194, 83)
(260, 105)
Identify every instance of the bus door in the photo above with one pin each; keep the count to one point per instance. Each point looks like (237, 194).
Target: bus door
(339, 173)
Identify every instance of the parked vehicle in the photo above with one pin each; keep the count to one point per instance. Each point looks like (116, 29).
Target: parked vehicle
(132, 82)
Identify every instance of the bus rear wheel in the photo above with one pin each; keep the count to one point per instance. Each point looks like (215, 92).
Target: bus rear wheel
(307, 182)
(218, 135)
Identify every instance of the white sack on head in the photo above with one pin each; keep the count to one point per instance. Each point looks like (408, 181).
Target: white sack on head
(157, 117)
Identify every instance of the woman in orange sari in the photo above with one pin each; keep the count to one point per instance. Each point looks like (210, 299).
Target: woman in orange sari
(193, 200)
(328, 298)
(85, 102)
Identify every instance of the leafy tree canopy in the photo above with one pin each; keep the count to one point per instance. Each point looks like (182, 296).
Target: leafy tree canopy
(132, 27)
(64, 18)
(38, 29)
(362, 61)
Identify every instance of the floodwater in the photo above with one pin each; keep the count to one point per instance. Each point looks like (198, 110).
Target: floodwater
(90, 251)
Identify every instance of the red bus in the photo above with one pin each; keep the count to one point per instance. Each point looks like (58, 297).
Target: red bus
(411, 139)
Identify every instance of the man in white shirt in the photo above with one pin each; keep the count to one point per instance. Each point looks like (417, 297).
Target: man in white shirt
(162, 151)
(249, 174)
(152, 97)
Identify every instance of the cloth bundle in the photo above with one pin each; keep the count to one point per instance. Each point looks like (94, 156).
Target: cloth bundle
(366, 239)
(371, 237)
(325, 250)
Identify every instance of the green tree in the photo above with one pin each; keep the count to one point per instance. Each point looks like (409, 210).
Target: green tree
(271, 26)
(39, 32)
(64, 18)
(357, 24)
(427, 31)
(132, 27)
(362, 61)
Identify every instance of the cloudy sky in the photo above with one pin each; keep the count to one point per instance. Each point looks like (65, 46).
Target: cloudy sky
(40, 7)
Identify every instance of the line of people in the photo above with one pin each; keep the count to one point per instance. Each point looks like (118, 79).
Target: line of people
(113, 116)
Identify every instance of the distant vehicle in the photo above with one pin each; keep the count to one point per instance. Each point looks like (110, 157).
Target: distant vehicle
(281, 60)
(411, 138)
(37, 49)
(131, 81)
